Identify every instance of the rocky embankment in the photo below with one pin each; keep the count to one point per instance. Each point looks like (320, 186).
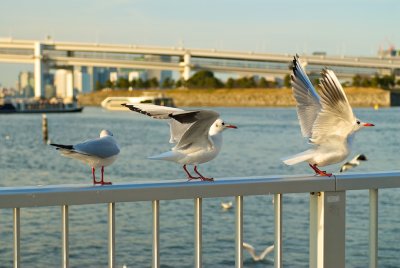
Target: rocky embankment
(358, 97)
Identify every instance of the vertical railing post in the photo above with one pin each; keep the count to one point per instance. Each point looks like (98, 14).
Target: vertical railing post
(198, 232)
(17, 228)
(327, 229)
(373, 228)
(65, 235)
(278, 231)
(111, 235)
(156, 238)
(316, 229)
(239, 232)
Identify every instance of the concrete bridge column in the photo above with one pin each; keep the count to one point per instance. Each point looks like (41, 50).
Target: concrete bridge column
(186, 66)
(38, 70)
(69, 86)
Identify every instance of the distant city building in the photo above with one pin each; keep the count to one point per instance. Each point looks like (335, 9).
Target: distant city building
(390, 52)
(26, 84)
(82, 80)
(63, 81)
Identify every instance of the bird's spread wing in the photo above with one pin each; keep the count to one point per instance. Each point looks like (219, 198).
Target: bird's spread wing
(308, 101)
(197, 134)
(266, 252)
(177, 127)
(250, 249)
(101, 147)
(155, 111)
(336, 117)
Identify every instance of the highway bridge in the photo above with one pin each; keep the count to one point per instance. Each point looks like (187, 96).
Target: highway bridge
(51, 54)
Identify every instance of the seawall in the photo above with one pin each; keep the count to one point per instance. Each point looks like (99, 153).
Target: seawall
(358, 97)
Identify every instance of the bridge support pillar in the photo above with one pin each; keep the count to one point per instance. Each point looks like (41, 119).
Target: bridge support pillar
(70, 85)
(186, 66)
(327, 229)
(38, 71)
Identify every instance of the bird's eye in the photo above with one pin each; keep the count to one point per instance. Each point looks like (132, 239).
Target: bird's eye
(223, 123)
(358, 122)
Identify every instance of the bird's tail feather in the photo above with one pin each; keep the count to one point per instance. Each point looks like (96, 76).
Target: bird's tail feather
(301, 157)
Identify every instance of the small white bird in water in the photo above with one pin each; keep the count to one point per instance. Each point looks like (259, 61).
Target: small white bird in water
(327, 121)
(253, 254)
(353, 162)
(227, 205)
(99, 152)
(197, 135)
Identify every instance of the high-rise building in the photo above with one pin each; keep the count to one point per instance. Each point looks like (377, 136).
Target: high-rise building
(82, 80)
(26, 84)
(63, 82)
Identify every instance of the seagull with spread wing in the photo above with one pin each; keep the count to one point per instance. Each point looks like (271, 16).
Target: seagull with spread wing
(197, 135)
(253, 254)
(353, 162)
(327, 120)
(98, 152)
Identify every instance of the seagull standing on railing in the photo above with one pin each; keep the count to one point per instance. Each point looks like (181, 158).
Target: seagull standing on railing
(197, 135)
(353, 162)
(327, 121)
(99, 152)
(253, 254)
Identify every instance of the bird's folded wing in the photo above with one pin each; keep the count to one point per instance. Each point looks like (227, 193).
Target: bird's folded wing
(308, 101)
(197, 134)
(101, 147)
(336, 117)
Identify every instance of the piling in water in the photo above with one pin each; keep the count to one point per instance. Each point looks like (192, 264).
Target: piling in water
(45, 130)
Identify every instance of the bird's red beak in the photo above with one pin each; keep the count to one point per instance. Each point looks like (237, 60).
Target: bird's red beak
(230, 126)
(368, 125)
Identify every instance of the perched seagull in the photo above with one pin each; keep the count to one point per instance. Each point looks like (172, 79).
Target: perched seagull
(327, 121)
(353, 162)
(227, 205)
(99, 152)
(252, 251)
(197, 134)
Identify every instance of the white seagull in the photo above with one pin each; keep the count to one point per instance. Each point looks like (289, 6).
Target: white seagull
(353, 162)
(226, 205)
(197, 134)
(253, 254)
(99, 152)
(327, 120)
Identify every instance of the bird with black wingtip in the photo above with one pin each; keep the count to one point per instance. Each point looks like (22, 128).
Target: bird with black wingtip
(197, 135)
(327, 120)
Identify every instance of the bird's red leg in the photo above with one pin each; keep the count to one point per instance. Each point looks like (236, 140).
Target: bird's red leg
(190, 177)
(201, 176)
(94, 176)
(102, 177)
(319, 172)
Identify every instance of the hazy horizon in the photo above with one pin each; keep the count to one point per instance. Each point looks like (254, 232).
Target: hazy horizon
(356, 28)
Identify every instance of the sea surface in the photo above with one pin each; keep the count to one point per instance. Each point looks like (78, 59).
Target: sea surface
(263, 137)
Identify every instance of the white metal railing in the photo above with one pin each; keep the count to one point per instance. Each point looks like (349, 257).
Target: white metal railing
(327, 209)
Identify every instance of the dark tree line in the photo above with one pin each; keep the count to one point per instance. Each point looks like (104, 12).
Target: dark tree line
(201, 79)
(205, 79)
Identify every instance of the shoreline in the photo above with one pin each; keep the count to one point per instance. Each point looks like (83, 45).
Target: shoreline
(358, 97)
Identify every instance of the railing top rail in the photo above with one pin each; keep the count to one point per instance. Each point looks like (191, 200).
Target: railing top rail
(79, 194)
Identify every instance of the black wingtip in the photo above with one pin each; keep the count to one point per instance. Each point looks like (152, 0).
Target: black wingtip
(362, 157)
(62, 146)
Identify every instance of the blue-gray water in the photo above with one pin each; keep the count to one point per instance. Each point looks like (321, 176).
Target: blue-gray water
(264, 136)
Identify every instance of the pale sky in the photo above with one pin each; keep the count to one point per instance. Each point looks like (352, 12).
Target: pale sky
(354, 28)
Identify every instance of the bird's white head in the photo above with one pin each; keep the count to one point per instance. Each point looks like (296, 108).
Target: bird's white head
(105, 132)
(359, 125)
(218, 126)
